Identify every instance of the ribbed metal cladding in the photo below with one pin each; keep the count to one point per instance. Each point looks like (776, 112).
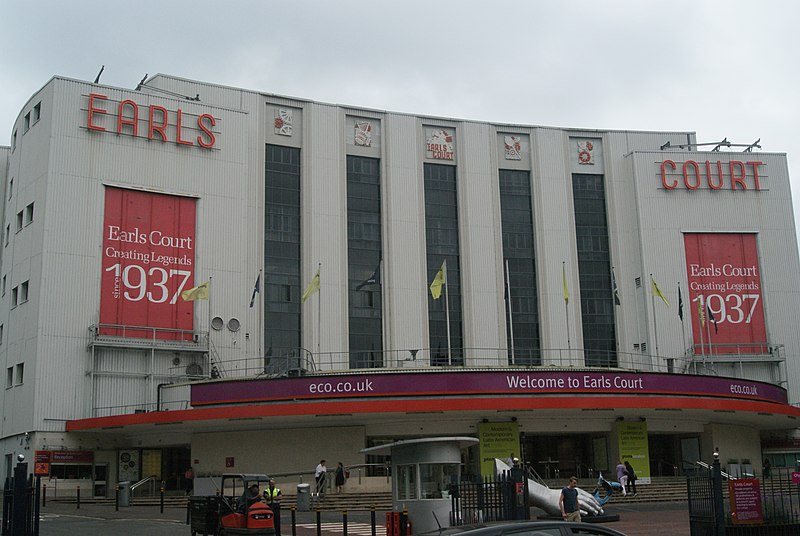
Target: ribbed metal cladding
(404, 233)
(64, 169)
(481, 247)
(664, 215)
(555, 240)
(324, 231)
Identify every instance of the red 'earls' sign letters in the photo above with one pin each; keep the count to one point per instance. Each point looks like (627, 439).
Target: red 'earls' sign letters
(153, 122)
(148, 260)
(725, 287)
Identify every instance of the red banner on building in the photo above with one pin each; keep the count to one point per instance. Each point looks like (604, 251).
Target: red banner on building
(148, 260)
(725, 293)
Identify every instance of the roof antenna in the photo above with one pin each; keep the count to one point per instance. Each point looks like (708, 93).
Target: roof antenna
(97, 78)
(139, 85)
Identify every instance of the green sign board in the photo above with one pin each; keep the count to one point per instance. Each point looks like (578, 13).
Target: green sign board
(497, 440)
(632, 437)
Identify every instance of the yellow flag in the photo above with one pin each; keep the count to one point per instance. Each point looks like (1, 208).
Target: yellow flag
(312, 287)
(200, 292)
(657, 291)
(564, 280)
(439, 280)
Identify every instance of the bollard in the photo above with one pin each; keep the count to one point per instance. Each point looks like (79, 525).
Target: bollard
(294, 521)
(319, 521)
(78, 497)
(162, 499)
(344, 522)
(372, 519)
(44, 495)
(116, 499)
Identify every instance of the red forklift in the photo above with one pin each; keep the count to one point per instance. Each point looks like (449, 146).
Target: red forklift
(237, 508)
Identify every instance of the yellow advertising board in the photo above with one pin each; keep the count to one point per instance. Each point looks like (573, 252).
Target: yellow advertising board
(632, 438)
(497, 440)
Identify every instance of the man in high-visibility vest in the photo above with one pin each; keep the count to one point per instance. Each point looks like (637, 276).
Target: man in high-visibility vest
(273, 496)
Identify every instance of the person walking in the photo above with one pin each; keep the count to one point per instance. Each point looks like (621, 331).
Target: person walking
(319, 476)
(273, 496)
(631, 478)
(568, 501)
(622, 477)
(189, 477)
(339, 477)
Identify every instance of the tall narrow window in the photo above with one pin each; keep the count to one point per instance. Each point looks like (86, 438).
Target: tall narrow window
(441, 233)
(28, 214)
(37, 112)
(363, 260)
(23, 292)
(9, 377)
(594, 269)
(19, 220)
(14, 296)
(11, 187)
(281, 282)
(20, 373)
(519, 270)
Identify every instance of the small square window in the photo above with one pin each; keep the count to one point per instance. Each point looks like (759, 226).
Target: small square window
(20, 373)
(9, 377)
(37, 112)
(27, 123)
(29, 214)
(19, 220)
(23, 292)
(14, 296)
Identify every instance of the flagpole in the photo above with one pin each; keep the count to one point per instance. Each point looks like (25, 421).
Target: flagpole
(566, 309)
(683, 328)
(319, 309)
(653, 303)
(262, 284)
(210, 359)
(510, 320)
(708, 327)
(700, 323)
(447, 313)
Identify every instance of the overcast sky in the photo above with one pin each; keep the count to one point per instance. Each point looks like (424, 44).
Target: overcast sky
(719, 68)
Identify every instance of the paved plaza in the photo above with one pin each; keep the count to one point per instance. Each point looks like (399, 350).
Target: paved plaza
(64, 519)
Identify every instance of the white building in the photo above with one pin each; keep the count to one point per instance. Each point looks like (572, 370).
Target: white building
(117, 201)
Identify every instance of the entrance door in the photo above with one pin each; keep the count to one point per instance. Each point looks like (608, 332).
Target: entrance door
(100, 480)
(690, 452)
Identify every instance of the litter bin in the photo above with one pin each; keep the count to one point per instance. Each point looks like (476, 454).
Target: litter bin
(304, 497)
(125, 493)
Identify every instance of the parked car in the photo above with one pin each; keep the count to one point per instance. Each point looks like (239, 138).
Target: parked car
(530, 528)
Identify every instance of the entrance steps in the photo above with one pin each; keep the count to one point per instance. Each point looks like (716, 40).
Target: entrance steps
(662, 489)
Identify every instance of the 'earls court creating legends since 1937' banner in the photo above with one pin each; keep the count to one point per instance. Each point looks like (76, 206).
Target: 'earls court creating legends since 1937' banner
(148, 260)
(725, 293)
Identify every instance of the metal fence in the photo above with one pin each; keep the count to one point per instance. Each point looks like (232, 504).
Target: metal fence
(775, 511)
(489, 499)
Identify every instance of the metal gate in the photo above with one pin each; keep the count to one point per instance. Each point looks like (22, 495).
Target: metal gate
(702, 511)
(21, 503)
(498, 499)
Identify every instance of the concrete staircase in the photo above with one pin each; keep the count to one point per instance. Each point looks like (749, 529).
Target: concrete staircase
(662, 489)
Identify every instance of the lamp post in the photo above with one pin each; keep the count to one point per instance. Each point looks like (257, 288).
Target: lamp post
(716, 492)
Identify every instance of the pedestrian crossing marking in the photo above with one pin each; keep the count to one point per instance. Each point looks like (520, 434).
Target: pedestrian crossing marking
(359, 529)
